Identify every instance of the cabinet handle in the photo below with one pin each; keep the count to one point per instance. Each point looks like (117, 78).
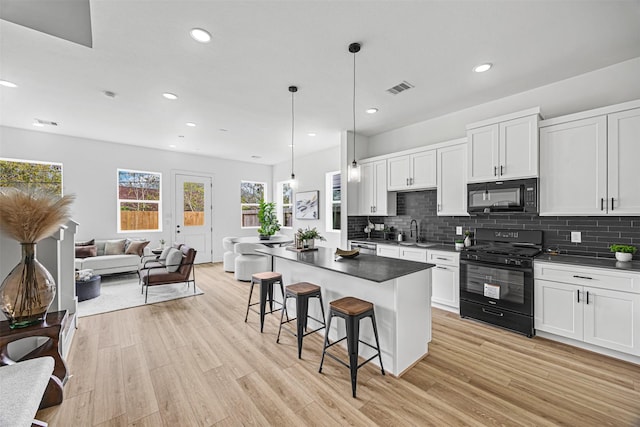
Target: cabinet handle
(612, 204)
(441, 268)
(375, 209)
(443, 259)
(587, 297)
(601, 203)
(495, 171)
(578, 293)
(583, 277)
(501, 170)
(407, 181)
(411, 181)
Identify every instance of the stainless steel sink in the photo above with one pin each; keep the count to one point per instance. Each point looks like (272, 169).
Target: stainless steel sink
(425, 245)
(407, 243)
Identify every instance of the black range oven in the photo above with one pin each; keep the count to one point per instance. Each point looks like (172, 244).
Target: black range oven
(496, 278)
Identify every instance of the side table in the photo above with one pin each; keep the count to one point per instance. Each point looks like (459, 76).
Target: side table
(50, 328)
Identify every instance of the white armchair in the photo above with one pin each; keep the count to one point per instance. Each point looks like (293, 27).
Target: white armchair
(248, 261)
(229, 257)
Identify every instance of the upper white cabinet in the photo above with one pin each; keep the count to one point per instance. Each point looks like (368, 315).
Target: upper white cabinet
(452, 180)
(415, 171)
(373, 198)
(588, 164)
(504, 148)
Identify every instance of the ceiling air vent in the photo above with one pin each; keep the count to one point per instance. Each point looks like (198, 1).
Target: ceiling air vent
(400, 87)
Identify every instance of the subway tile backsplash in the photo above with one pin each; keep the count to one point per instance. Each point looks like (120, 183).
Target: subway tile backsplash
(597, 232)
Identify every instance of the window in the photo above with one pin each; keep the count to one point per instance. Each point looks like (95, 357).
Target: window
(31, 176)
(139, 201)
(251, 193)
(333, 193)
(285, 204)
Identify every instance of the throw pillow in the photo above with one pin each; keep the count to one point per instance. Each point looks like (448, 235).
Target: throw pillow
(114, 247)
(86, 243)
(86, 251)
(163, 255)
(137, 247)
(173, 260)
(176, 245)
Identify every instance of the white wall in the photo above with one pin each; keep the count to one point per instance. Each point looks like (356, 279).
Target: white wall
(310, 173)
(612, 85)
(89, 172)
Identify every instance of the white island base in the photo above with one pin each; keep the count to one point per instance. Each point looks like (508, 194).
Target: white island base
(402, 307)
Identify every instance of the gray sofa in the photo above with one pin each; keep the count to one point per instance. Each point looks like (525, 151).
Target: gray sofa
(102, 263)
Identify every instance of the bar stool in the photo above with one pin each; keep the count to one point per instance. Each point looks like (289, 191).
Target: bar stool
(352, 310)
(301, 292)
(266, 280)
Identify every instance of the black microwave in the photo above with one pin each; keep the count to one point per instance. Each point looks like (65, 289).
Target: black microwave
(518, 195)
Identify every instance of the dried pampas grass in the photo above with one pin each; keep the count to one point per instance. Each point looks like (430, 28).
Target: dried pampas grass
(28, 217)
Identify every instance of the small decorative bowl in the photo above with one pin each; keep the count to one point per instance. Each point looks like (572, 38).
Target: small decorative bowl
(347, 254)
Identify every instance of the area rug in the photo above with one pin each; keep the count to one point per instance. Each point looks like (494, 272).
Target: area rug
(123, 291)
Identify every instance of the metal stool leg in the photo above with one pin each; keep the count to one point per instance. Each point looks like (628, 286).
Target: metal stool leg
(326, 340)
(246, 316)
(284, 310)
(375, 333)
(353, 334)
(264, 293)
(302, 305)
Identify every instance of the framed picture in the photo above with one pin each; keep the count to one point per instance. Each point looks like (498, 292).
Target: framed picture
(307, 205)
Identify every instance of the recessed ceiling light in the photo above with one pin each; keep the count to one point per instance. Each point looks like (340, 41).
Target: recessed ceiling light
(372, 110)
(190, 124)
(482, 67)
(170, 96)
(311, 134)
(7, 83)
(172, 146)
(200, 35)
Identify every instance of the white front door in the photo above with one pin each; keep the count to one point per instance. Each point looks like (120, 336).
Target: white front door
(193, 214)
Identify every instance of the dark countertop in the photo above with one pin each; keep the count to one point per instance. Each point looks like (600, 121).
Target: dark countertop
(368, 267)
(585, 261)
(430, 245)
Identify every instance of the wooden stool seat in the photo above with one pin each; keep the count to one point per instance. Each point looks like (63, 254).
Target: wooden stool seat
(266, 280)
(301, 292)
(302, 288)
(351, 306)
(352, 310)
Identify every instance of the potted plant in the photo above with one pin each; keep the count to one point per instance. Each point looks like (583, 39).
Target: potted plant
(459, 244)
(624, 253)
(467, 238)
(268, 220)
(162, 242)
(306, 238)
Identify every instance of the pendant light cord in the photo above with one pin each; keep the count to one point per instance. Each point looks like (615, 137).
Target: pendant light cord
(292, 129)
(354, 107)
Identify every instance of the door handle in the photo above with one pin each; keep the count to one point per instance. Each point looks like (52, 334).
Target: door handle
(578, 293)
(495, 171)
(407, 181)
(612, 204)
(601, 203)
(441, 268)
(582, 277)
(501, 170)
(587, 297)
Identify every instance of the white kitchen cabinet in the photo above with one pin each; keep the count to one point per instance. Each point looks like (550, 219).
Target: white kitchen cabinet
(504, 149)
(414, 171)
(587, 164)
(597, 306)
(374, 200)
(452, 180)
(389, 251)
(445, 279)
(412, 254)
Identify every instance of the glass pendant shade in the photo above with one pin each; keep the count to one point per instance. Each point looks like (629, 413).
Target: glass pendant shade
(354, 172)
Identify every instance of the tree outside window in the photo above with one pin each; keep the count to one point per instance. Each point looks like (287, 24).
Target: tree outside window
(251, 193)
(285, 204)
(193, 196)
(31, 176)
(333, 183)
(139, 201)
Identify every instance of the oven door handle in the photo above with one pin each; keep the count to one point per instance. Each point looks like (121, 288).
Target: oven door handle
(495, 313)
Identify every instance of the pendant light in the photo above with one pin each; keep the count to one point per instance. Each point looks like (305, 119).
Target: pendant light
(292, 183)
(354, 168)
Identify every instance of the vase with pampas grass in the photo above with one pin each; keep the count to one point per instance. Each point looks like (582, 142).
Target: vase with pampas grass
(29, 289)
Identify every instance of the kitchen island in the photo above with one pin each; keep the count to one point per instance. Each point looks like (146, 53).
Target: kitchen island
(400, 291)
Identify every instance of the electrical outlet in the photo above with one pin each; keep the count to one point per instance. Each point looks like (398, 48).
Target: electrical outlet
(576, 237)
(459, 230)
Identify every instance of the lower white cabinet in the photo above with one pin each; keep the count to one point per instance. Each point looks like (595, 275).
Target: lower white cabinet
(401, 252)
(596, 306)
(445, 279)
(389, 251)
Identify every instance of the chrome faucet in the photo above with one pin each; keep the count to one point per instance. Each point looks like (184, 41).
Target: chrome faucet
(413, 221)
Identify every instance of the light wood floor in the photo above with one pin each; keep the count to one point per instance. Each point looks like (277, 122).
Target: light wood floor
(194, 361)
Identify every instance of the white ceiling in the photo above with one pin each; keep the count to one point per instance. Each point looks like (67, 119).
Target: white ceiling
(239, 80)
